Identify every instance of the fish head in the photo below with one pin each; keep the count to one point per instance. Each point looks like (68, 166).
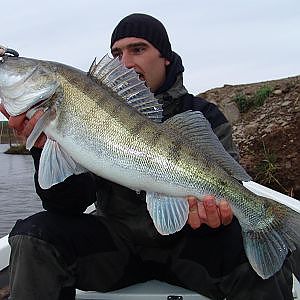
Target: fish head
(25, 83)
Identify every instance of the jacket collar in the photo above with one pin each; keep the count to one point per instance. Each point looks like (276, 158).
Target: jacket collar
(173, 86)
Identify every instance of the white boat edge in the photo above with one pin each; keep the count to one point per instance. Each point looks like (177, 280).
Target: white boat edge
(4, 252)
(155, 289)
(262, 190)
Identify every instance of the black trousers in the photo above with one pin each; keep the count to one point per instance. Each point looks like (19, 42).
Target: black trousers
(53, 254)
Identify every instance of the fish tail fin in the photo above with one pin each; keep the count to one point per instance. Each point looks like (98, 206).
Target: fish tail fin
(274, 235)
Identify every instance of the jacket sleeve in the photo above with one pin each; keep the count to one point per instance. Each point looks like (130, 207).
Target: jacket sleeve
(70, 197)
(224, 133)
(220, 125)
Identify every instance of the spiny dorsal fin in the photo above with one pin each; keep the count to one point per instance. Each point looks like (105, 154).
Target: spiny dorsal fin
(126, 83)
(196, 128)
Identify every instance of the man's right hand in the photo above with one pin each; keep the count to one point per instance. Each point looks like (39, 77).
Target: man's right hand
(208, 212)
(23, 126)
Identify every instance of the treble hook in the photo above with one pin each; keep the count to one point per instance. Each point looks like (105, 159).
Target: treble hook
(8, 51)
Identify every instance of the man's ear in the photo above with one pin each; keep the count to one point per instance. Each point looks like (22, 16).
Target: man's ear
(167, 62)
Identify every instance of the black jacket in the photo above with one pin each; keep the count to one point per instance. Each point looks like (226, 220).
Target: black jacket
(119, 204)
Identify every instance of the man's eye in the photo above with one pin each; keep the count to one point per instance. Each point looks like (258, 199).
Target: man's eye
(116, 54)
(138, 50)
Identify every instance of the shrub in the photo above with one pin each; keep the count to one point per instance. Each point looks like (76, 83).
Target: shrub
(261, 95)
(244, 102)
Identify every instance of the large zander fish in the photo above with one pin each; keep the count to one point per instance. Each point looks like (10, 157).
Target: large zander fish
(106, 121)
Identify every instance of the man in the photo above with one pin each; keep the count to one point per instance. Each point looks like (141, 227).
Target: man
(60, 249)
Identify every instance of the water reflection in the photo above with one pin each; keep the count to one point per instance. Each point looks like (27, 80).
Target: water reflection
(17, 194)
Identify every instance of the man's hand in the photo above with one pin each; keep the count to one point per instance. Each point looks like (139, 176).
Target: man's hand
(23, 126)
(208, 212)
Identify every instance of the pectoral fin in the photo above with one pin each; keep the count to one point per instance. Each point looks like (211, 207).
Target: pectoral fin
(56, 165)
(169, 214)
(38, 129)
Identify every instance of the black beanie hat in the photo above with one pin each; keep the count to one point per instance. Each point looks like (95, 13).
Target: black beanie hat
(145, 27)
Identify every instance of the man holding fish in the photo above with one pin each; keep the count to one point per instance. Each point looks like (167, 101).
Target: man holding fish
(60, 249)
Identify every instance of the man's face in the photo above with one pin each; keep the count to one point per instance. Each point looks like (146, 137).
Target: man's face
(146, 60)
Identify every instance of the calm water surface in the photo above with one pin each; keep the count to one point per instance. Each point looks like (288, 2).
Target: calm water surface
(17, 194)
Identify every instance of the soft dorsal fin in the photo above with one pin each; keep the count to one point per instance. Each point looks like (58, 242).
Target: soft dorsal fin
(196, 128)
(126, 83)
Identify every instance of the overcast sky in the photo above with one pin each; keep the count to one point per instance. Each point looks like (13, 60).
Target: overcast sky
(220, 41)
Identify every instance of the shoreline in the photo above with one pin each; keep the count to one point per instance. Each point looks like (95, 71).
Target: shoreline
(15, 149)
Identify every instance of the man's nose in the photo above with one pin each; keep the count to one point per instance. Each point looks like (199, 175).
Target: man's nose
(127, 60)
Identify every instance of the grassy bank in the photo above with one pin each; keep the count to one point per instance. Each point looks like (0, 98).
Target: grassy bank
(17, 149)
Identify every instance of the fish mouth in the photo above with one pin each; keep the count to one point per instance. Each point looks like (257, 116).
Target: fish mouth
(24, 83)
(12, 90)
(12, 71)
(13, 84)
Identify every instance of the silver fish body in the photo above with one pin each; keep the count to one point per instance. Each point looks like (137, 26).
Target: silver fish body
(106, 122)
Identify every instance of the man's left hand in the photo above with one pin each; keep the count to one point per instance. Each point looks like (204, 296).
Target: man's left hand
(208, 212)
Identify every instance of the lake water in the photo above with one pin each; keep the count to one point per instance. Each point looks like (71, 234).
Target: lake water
(17, 194)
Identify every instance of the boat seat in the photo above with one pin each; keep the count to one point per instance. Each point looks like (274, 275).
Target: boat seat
(150, 290)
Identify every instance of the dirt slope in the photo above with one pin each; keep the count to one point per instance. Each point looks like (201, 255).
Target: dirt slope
(267, 134)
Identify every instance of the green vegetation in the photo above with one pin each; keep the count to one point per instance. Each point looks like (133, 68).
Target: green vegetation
(266, 169)
(261, 95)
(17, 149)
(245, 102)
